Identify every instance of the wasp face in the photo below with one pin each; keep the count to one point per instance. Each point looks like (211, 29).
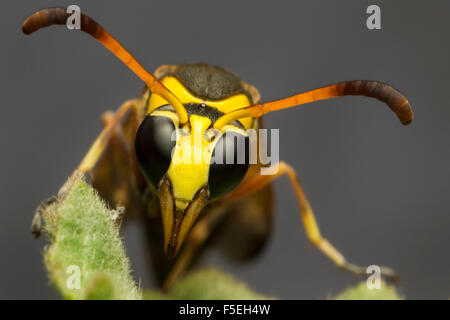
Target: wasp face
(189, 167)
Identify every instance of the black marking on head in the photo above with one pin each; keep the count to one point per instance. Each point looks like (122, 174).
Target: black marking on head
(202, 110)
(209, 82)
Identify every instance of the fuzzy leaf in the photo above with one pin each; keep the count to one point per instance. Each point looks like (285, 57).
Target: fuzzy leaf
(85, 241)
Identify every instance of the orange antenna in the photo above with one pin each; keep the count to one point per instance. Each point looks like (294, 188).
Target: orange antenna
(383, 92)
(47, 17)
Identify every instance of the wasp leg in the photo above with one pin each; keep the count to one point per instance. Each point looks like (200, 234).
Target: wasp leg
(110, 164)
(257, 181)
(107, 164)
(107, 118)
(36, 224)
(113, 124)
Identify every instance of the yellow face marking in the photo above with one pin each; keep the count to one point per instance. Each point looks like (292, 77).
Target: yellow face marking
(189, 169)
(226, 105)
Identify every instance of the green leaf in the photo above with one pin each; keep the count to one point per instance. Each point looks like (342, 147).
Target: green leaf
(206, 284)
(212, 284)
(362, 292)
(85, 245)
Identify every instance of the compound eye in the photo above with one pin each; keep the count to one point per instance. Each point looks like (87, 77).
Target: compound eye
(155, 140)
(231, 160)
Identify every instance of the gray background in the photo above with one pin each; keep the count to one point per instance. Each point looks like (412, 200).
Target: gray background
(380, 190)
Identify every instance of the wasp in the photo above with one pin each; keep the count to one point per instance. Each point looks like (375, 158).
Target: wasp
(132, 162)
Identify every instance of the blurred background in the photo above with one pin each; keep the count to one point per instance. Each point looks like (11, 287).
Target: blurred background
(380, 190)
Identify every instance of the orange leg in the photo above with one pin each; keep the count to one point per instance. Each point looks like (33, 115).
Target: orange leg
(109, 135)
(203, 228)
(257, 181)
